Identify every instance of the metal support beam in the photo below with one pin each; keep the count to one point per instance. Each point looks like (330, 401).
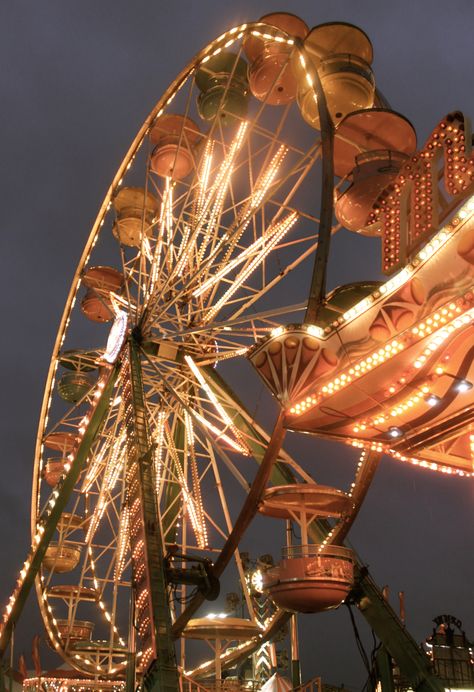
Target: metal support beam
(153, 619)
(317, 290)
(295, 652)
(384, 670)
(414, 664)
(280, 473)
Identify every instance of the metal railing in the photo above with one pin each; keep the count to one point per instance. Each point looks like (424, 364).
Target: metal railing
(313, 685)
(187, 684)
(314, 550)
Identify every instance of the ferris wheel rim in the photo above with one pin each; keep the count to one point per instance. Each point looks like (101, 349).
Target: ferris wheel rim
(75, 285)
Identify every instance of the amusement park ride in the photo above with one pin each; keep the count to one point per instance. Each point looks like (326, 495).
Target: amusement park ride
(229, 187)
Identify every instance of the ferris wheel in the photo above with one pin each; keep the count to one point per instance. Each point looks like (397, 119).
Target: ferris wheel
(209, 215)
(194, 263)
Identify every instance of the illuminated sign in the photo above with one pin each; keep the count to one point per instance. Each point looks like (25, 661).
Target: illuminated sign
(116, 337)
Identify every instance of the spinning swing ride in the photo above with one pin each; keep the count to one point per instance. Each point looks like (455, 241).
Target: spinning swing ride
(201, 236)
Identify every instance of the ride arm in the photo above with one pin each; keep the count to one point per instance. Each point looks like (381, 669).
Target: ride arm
(412, 660)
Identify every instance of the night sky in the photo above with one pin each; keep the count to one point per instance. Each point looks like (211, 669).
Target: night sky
(77, 80)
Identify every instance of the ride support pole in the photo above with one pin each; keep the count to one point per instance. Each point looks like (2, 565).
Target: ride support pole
(384, 670)
(295, 652)
(318, 280)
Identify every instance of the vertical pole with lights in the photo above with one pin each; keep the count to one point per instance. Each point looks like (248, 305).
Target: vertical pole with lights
(153, 617)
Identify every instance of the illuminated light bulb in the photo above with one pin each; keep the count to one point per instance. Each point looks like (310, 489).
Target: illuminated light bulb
(462, 386)
(275, 233)
(395, 432)
(314, 330)
(432, 399)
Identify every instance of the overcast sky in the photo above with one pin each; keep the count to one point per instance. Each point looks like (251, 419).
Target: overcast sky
(77, 80)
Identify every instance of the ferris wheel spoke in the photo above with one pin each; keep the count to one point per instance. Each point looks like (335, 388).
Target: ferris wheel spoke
(212, 207)
(208, 411)
(90, 572)
(205, 266)
(48, 520)
(228, 326)
(201, 423)
(229, 528)
(270, 138)
(246, 514)
(273, 282)
(252, 205)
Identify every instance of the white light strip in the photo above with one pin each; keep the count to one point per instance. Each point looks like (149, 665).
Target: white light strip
(158, 456)
(250, 250)
(218, 433)
(242, 447)
(188, 421)
(204, 176)
(279, 231)
(219, 189)
(183, 251)
(260, 189)
(123, 541)
(199, 528)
